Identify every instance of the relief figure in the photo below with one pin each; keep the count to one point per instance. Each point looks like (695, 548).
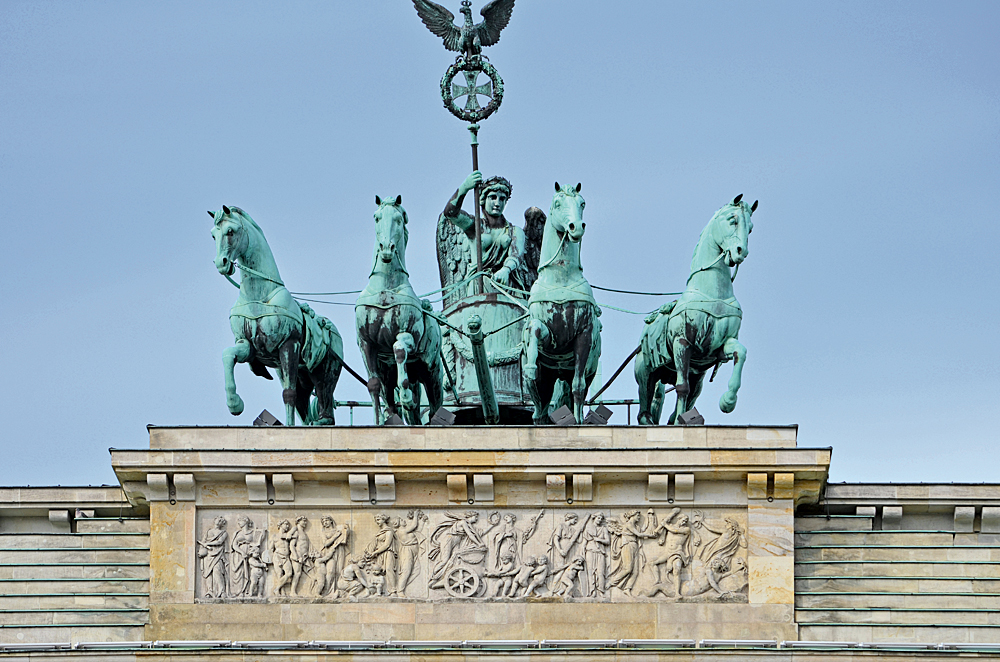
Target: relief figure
(596, 545)
(214, 562)
(382, 553)
(240, 564)
(332, 555)
(626, 551)
(509, 539)
(565, 582)
(281, 555)
(675, 536)
(457, 544)
(410, 541)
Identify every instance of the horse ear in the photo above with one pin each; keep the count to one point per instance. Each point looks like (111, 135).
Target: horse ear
(557, 187)
(212, 214)
(737, 199)
(225, 210)
(753, 207)
(399, 200)
(578, 187)
(378, 201)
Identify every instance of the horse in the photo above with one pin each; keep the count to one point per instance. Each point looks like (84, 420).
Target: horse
(399, 340)
(685, 338)
(562, 338)
(271, 328)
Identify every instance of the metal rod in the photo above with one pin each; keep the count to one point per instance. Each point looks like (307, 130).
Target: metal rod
(614, 376)
(474, 130)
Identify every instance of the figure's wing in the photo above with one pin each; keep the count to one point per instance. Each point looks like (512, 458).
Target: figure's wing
(441, 22)
(534, 228)
(497, 15)
(452, 261)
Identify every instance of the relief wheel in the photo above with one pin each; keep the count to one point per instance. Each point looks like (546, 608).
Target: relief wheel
(461, 582)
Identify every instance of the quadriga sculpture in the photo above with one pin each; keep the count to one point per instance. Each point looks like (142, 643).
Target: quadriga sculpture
(401, 345)
(562, 339)
(687, 337)
(271, 328)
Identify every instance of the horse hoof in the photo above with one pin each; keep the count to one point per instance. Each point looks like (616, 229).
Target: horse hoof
(727, 403)
(235, 404)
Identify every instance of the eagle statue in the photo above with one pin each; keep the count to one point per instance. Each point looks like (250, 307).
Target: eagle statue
(468, 39)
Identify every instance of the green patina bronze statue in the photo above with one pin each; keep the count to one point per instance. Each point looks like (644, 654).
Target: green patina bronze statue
(687, 337)
(562, 339)
(467, 39)
(271, 328)
(399, 340)
(505, 248)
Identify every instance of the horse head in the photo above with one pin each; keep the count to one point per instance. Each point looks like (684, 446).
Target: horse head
(231, 239)
(730, 230)
(566, 213)
(391, 233)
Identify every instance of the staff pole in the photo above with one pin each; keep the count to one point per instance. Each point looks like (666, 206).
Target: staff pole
(474, 130)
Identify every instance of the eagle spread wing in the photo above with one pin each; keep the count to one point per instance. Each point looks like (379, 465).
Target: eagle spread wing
(441, 22)
(497, 15)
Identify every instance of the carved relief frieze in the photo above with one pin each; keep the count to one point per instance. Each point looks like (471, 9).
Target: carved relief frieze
(610, 555)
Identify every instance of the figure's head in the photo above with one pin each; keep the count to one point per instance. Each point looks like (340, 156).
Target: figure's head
(631, 516)
(284, 526)
(529, 560)
(381, 519)
(390, 230)
(541, 560)
(598, 519)
(731, 228)
(571, 518)
(231, 239)
(683, 520)
(494, 194)
(566, 212)
(467, 9)
(243, 522)
(254, 550)
(328, 522)
(302, 522)
(471, 516)
(507, 558)
(220, 522)
(510, 518)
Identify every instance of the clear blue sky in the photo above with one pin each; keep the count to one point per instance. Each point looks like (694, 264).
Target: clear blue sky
(868, 130)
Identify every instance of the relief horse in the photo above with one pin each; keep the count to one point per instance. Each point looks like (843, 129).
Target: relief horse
(271, 328)
(562, 338)
(400, 342)
(699, 331)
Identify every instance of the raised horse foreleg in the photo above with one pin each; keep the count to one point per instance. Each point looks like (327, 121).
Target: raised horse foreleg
(239, 353)
(288, 357)
(733, 348)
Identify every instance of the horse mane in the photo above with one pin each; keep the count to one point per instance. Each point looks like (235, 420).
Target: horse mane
(247, 217)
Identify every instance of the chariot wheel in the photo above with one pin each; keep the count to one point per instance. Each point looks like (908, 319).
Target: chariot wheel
(461, 582)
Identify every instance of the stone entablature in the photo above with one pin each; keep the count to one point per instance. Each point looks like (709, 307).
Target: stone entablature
(521, 533)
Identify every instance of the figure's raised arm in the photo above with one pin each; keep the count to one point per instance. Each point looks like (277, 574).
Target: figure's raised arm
(453, 210)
